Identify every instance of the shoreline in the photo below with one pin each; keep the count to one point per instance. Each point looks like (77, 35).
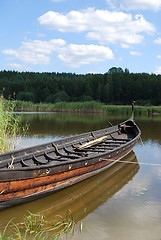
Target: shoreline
(86, 107)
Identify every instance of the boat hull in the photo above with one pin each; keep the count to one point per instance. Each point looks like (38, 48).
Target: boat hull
(30, 173)
(20, 191)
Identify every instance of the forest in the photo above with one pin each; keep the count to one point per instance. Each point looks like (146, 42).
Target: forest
(116, 86)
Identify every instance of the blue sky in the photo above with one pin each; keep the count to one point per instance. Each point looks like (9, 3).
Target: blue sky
(80, 36)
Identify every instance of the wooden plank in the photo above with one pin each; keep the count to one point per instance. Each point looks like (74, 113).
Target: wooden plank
(92, 142)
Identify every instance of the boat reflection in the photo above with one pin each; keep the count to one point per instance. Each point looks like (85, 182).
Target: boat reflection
(82, 198)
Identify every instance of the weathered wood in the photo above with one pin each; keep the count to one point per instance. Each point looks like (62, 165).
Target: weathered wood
(92, 142)
(32, 172)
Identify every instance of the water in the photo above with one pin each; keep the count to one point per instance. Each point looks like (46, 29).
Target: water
(121, 203)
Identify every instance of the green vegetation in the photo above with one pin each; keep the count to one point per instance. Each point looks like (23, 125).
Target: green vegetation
(9, 125)
(79, 106)
(116, 87)
(36, 227)
(110, 92)
(27, 106)
(93, 107)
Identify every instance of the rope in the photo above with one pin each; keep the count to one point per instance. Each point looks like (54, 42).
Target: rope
(141, 141)
(10, 166)
(140, 163)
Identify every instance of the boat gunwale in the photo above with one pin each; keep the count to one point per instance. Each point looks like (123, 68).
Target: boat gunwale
(70, 161)
(67, 141)
(108, 130)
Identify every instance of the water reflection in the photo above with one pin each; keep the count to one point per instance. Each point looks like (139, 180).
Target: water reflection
(150, 130)
(123, 203)
(52, 126)
(82, 198)
(64, 123)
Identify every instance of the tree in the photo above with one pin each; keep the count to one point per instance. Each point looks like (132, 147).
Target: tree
(61, 96)
(114, 70)
(127, 71)
(25, 96)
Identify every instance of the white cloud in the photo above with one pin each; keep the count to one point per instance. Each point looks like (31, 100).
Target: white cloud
(35, 52)
(135, 53)
(113, 4)
(154, 5)
(39, 52)
(157, 41)
(101, 25)
(159, 56)
(158, 70)
(73, 22)
(76, 55)
(143, 4)
(15, 65)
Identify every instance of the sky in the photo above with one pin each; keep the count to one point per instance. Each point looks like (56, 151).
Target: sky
(80, 36)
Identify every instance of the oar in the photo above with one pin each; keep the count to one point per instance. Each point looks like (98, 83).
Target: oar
(93, 142)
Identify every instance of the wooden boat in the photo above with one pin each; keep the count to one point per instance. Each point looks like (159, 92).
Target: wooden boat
(80, 199)
(29, 173)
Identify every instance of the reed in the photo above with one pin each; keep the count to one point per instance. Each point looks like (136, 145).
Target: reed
(22, 106)
(59, 107)
(9, 125)
(90, 106)
(79, 106)
(36, 227)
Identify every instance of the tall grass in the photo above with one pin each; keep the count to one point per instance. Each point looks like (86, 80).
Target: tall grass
(59, 106)
(22, 106)
(9, 125)
(36, 227)
(79, 106)
(90, 106)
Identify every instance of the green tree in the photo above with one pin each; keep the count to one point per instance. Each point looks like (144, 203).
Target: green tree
(61, 96)
(115, 70)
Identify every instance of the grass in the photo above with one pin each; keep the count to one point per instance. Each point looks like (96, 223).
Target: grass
(79, 106)
(10, 125)
(59, 106)
(22, 106)
(91, 106)
(36, 227)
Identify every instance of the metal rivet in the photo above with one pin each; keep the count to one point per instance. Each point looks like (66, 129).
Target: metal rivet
(70, 166)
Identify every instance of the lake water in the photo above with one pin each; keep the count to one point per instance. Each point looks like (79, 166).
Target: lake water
(122, 203)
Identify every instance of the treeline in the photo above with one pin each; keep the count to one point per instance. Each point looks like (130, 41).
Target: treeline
(117, 86)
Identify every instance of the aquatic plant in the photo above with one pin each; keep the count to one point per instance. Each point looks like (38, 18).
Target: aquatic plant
(36, 227)
(10, 125)
(89, 106)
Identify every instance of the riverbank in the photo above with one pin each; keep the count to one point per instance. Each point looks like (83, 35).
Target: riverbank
(94, 107)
